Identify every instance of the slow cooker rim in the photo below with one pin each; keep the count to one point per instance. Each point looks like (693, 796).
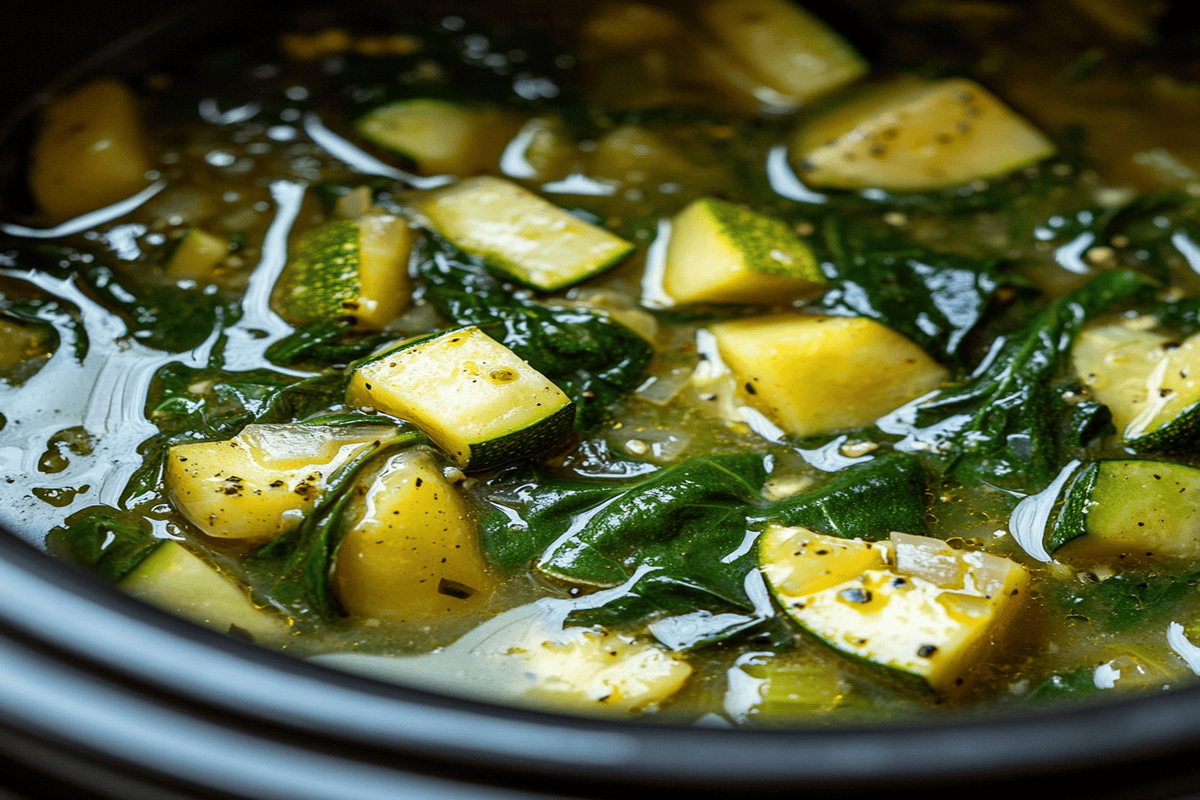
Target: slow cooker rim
(81, 621)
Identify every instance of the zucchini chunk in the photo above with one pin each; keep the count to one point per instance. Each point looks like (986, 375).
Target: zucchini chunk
(471, 395)
(1124, 511)
(914, 135)
(350, 268)
(195, 256)
(263, 481)
(521, 235)
(411, 554)
(720, 252)
(438, 136)
(1148, 382)
(792, 51)
(90, 151)
(525, 655)
(814, 374)
(912, 605)
(175, 579)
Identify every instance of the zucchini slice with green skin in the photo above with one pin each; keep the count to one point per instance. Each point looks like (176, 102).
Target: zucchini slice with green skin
(913, 605)
(791, 51)
(720, 252)
(350, 268)
(521, 235)
(175, 579)
(475, 398)
(1149, 382)
(912, 135)
(814, 374)
(263, 481)
(440, 136)
(1126, 511)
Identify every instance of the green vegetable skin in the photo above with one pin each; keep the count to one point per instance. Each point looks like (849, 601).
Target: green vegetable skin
(1143, 510)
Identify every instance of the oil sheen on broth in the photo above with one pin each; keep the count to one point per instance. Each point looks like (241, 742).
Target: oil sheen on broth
(709, 362)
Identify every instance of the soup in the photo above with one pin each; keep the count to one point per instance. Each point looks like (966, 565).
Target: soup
(638, 359)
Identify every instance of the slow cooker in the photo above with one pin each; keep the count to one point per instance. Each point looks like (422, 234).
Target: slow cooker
(103, 696)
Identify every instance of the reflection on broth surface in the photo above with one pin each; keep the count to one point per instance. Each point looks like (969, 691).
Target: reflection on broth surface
(725, 364)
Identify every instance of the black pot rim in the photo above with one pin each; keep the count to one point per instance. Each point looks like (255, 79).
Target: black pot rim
(129, 689)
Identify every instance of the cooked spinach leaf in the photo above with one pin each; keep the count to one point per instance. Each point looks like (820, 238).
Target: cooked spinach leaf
(110, 541)
(1125, 600)
(935, 299)
(589, 355)
(159, 315)
(325, 343)
(682, 539)
(1008, 424)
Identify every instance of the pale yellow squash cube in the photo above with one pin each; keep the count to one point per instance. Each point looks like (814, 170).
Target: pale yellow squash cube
(263, 481)
(89, 152)
(412, 553)
(175, 579)
(814, 374)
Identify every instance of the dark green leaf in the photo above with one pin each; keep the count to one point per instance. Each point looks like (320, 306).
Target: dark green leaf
(108, 540)
(869, 500)
(1128, 599)
(325, 344)
(1008, 424)
(935, 299)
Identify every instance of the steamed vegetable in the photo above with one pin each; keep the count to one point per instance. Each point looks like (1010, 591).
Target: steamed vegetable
(263, 481)
(90, 151)
(912, 135)
(521, 235)
(723, 253)
(473, 396)
(411, 552)
(813, 374)
(912, 605)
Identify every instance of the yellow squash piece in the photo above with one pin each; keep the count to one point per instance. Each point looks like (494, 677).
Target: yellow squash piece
(89, 152)
(178, 581)
(196, 255)
(912, 605)
(263, 481)
(354, 268)
(1149, 382)
(813, 374)
(475, 398)
(412, 553)
(439, 136)
(720, 252)
(788, 49)
(914, 135)
(521, 235)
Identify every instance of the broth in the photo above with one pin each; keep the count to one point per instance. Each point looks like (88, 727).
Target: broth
(185, 318)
